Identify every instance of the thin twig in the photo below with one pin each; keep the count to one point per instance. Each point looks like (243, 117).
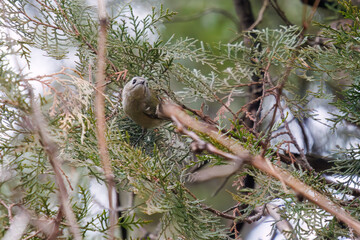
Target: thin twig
(231, 208)
(313, 11)
(52, 151)
(304, 163)
(32, 235)
(280, 12)
(282, 224)
(306, 21)
(260, 16)
(8, 208)
(100, 115)
(210, 209)
(37, 21)
(203, 13)
(258, 213)
(265, 80)
(217, 212)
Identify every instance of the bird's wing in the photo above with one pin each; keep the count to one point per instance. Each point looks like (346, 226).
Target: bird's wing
(151, 106)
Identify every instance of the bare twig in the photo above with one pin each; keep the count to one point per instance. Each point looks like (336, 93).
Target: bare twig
(302, 161)
(172, 111)
(313, 11)
(39, 126)
(266, 80)
(217, 212)
(32, 235)
(282, 224)
(277, 106)
(280, 12)
(260, 16)
(100, 114)
(307, 21)
(210, 209)
(231, 208)
(17, 226)
(55, 229)
(8, 208)
(205, 12)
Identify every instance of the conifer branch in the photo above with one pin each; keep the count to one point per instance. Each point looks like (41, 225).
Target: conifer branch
(100, 115)
(169, 110)
(50, 147)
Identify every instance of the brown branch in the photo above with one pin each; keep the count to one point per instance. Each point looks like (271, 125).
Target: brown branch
(32, 235)
(172, 111)
(266, 80)
(231, 208)
(198, 145)
(200, 114)
(279, 89)
(56, 227)
(282, 224)
(217, 212)
(8, 208)
(37, 21)
(260, 16)
(244, 13)
(18, 225)
(39, 126)
(280, 12)
(306, 21)
(100, 115)
(210, 209)
(302, 161)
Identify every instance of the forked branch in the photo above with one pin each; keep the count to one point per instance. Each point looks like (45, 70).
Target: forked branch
(182, 119)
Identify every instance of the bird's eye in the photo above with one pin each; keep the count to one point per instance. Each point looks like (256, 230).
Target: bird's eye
(134, 81)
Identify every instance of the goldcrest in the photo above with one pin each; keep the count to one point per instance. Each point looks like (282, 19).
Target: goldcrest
(140, 104)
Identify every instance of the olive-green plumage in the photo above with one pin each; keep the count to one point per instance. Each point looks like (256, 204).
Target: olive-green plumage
(140, 104)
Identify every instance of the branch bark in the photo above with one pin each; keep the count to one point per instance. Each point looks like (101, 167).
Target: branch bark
(100, 115)
(52, 151)
(172, 111)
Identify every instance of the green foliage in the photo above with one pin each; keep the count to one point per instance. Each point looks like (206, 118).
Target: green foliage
(349, 104)
(348, 163)
(156, 169)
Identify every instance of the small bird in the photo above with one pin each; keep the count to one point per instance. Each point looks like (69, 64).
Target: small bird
(140, 104)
